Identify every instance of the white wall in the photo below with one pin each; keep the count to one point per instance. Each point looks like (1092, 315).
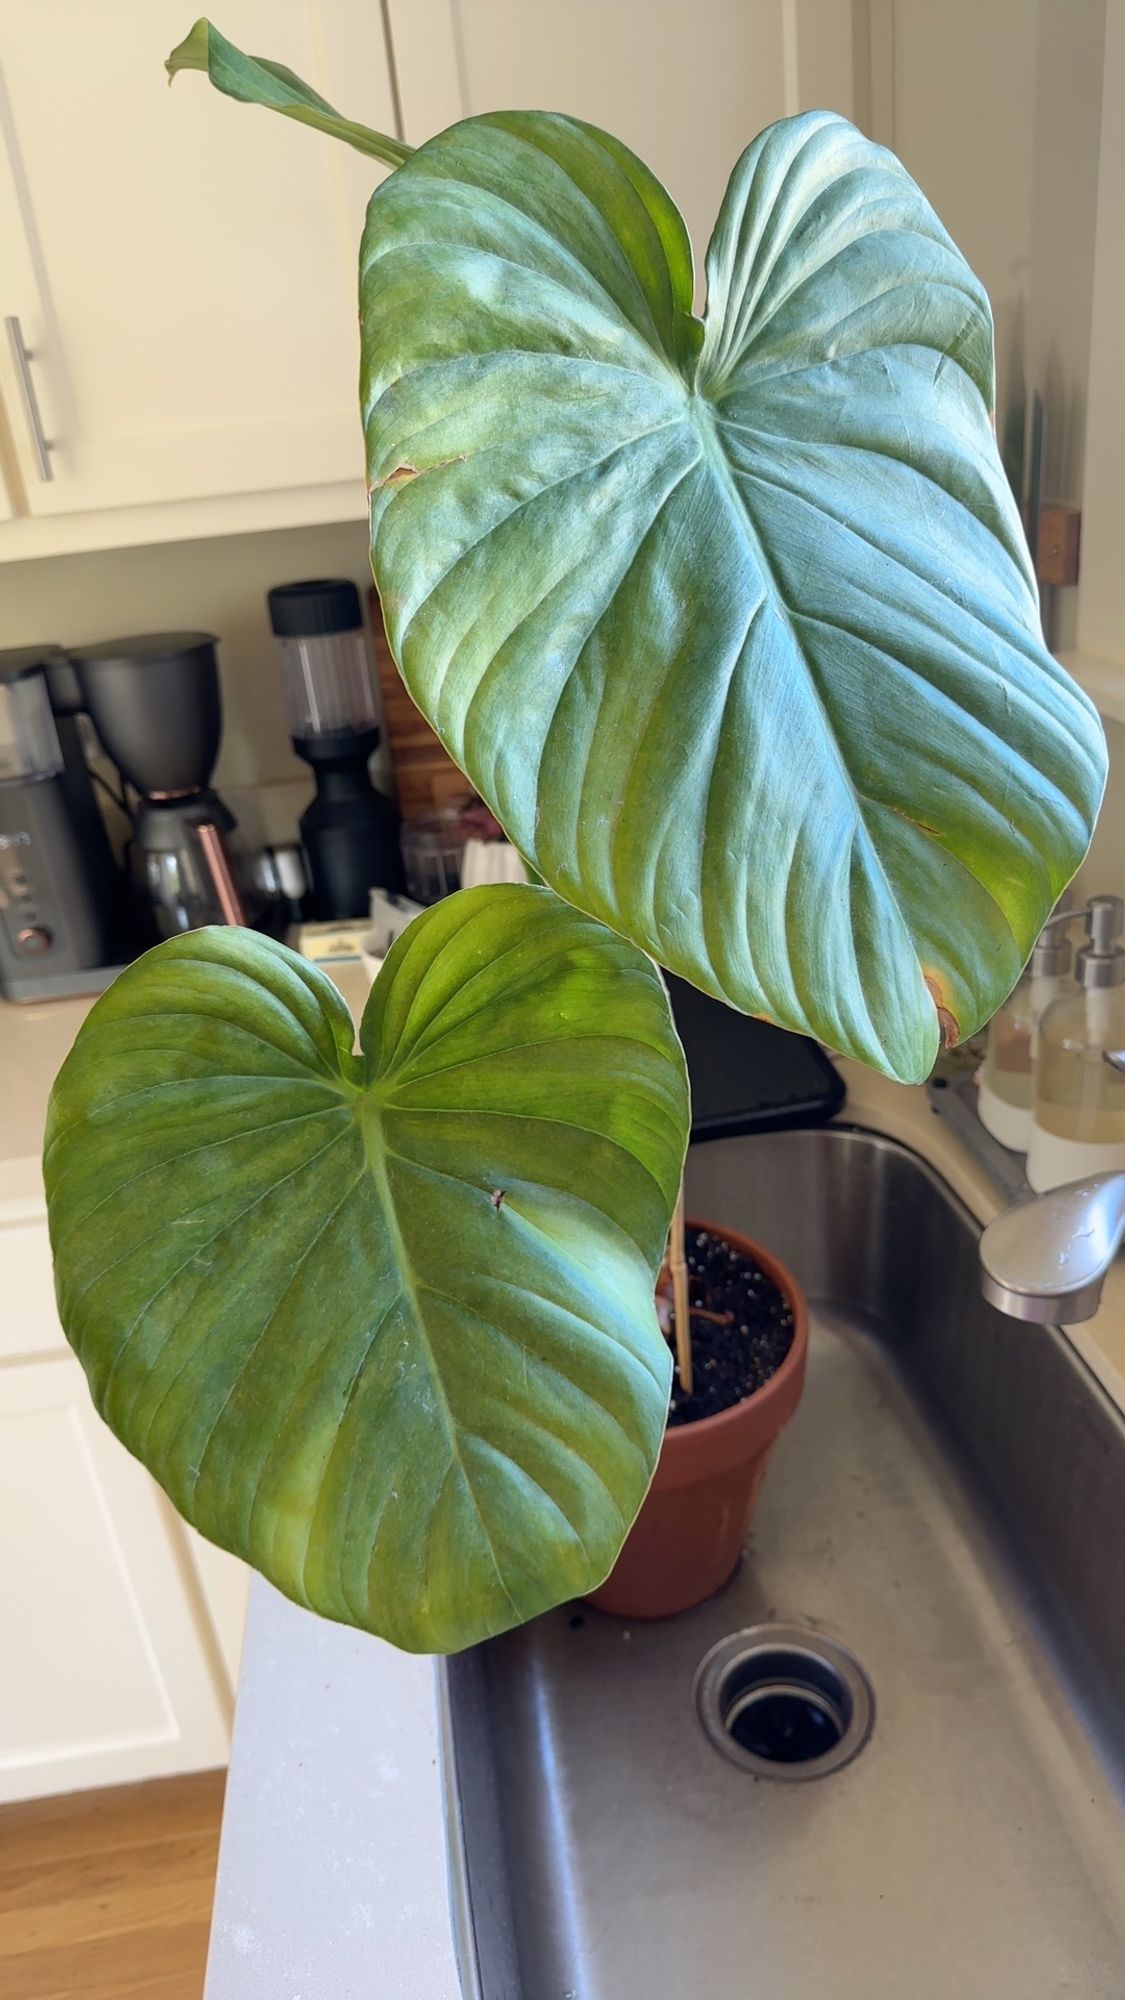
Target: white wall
(963, 119)
(1070, 55)
(1103, 872)
(996, 110)
(210, 586)
(1101, 625)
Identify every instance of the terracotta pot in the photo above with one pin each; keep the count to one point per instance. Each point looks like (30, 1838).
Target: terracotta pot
(686, 1540)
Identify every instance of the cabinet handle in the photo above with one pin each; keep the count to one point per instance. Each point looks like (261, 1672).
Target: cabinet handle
(22, 357)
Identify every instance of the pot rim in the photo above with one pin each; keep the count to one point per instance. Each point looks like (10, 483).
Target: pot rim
(782, 1381)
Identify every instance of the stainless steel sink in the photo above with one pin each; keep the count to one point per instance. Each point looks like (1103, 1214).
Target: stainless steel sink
(948, 1507)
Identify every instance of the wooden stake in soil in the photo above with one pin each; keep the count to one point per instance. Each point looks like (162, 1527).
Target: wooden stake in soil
(677, 1264)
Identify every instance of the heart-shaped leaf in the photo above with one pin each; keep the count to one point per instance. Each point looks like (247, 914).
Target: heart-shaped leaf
(732, 624)
(734, 629)
(382, 1324)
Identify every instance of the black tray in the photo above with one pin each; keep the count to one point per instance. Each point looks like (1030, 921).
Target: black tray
(747, 1076)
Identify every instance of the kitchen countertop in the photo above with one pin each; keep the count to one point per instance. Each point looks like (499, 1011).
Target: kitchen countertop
(331, 1881)
(331, 1878)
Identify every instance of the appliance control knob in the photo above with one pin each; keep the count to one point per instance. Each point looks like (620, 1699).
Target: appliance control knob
(33, 940)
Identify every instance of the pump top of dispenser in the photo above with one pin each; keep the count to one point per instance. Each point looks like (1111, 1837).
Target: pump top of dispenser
(1101, 962)
(1051, 955)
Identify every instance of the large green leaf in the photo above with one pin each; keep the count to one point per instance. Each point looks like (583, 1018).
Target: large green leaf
(382, 1324)
(732, 623)
(739, 640)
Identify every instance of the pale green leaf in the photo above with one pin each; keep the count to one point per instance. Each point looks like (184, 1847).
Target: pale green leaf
(731, 623)
(739, 643)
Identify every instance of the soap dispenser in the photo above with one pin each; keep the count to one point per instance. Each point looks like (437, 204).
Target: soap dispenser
(1004, 1097)
(1078, 1110)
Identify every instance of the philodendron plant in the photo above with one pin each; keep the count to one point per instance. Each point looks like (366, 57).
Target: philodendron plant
(730, 621)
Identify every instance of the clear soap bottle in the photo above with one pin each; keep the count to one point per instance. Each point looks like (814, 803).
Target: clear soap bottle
(1004, 1097)
(1078, 1106)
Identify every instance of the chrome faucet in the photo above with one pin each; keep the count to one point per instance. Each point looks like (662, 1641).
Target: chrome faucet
(1046, 1259)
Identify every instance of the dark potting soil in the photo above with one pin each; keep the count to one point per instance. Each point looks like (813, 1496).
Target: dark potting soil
(738, 1350)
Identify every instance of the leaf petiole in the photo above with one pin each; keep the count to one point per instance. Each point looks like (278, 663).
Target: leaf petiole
(255, 80)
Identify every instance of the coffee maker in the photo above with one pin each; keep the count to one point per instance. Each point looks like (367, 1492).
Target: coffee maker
(69, 917)
(154, 703)
(62, 902)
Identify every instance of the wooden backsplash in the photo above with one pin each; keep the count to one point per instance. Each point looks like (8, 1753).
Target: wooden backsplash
(425, 775)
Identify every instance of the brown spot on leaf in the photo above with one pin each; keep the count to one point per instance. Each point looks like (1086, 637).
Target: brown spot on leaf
(947, 1019)
(932, 832)
(401, 476)
(404, 473)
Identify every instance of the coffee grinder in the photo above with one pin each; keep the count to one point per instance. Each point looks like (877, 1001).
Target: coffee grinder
(350, 831)
(154, 702)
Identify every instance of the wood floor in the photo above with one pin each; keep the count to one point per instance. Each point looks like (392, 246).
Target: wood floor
(107, 1895)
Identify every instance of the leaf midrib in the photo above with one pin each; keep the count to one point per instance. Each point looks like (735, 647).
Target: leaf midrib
(375, 1150)
(708, 419)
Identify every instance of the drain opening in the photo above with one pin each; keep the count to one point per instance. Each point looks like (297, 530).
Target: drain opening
(783, 1702)
(784, 1723)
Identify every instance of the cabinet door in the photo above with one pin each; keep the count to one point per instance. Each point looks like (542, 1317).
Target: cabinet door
(107, 1671)
(183, 268)
(687, 87)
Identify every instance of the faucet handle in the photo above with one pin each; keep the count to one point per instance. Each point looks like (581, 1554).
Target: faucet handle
(1046, 1259)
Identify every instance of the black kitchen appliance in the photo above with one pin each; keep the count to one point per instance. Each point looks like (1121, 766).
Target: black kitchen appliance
(748, 1075)
(154, 702)
(350, 831)
(62, 904)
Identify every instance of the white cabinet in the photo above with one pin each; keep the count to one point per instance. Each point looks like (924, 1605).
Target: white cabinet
(687, 87)
(183, 270)
(104, 1671)
(117, 1648)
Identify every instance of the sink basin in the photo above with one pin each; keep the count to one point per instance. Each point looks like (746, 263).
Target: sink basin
(935, 1582)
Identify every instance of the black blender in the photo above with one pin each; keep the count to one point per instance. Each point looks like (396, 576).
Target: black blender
(350, 831)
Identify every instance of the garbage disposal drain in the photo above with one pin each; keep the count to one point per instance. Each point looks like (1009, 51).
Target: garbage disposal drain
(784, 1702)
